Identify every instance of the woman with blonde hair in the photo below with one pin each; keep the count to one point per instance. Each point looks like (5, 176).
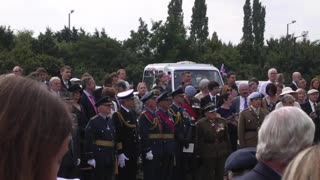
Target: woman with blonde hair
(305, 165)
(34, 130)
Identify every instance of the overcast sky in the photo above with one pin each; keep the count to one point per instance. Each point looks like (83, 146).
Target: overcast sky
(118, 17)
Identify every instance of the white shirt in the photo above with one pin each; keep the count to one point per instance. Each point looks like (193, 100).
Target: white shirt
(312, 105)
(263, 86)
(242, 101)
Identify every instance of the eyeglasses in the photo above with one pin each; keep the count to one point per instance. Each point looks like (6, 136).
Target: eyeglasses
(229, 90)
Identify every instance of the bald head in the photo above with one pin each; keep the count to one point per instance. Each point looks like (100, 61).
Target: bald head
(296, 76)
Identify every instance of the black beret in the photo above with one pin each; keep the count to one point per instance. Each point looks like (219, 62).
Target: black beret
(103, 100)
(148, 96)
(75, 88)
(242, 159)
(178, 91)
(164, 96)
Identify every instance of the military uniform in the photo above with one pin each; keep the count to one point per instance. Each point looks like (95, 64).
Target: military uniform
(183, 136)
(151, 142)
(248, 126)
(100, 146)
(127, 141)
(213, 146)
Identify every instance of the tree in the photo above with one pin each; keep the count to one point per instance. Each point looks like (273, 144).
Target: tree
(199, 24)
(45, 44)
(258, 22)
(6, 38)
(139, 41)
(246, 45)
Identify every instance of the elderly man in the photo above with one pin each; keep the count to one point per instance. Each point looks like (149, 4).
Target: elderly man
(310, 105)
(250, 121)
(55, 85)
(272, 75)
(295, 78)
(17, 70)
(283, 134)
(240, 103)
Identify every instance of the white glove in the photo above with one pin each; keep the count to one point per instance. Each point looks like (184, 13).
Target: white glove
(149, 155)
(122, 160)
(78, 161)
(92, 162)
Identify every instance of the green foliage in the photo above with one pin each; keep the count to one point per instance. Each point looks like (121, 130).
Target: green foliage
(99, 54)
(199, 25)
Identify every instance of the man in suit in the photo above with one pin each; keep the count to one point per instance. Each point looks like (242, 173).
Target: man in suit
(240, 102)
(65, 73)
(288, 129)
(310, 106)
(100, 143)
(295, 78)
(213, 96)
(250, 121)
(127, 136)
(87, 100)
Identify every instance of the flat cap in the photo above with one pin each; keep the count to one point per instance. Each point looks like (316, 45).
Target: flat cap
(255, 95)
(311, 91)
(210, 107)
(178, 91)
(163, 96)
(103, 100)
(242, 159)
(126, 94)
(147, 96)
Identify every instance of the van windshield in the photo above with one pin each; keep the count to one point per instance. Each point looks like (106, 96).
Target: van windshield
(197, 76)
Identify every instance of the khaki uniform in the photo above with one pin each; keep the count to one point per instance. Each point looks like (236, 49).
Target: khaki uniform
(249, 124)
(213, 146)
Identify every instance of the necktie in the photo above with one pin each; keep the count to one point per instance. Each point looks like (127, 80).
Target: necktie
(314, 106)
(93, 103)
(214, 100)
(245, 103)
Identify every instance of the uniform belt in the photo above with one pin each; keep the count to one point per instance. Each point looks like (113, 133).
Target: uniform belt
(159, 136)
(104, 143)
(167, 136)
(155, 136)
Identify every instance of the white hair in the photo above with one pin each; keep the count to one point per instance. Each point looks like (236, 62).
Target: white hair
(54, 78)
(284, 133)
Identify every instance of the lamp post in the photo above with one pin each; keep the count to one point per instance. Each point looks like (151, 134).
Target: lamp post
(71, 11)
(304, 34)
(292, 22)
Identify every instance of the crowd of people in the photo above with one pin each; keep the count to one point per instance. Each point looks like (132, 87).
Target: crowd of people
(244, 131)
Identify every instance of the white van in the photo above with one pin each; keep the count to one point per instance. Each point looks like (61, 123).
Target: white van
(175, 70)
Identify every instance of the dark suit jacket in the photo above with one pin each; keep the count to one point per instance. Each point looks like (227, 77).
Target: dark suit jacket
(236, 104)
(293, 86)
(261, 172)
(87, 107)
(63, 86)
(205, 100)
(306, 107)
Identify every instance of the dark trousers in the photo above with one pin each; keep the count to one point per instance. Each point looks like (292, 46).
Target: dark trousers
(166, 168)
(129, 171)
(151, 168)
(68, 172)
(213, 168)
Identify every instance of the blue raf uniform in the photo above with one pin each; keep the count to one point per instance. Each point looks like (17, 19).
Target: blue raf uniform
(169, 142)
(127, 138)
(151, 140)
(100, 144)
(183, 135)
